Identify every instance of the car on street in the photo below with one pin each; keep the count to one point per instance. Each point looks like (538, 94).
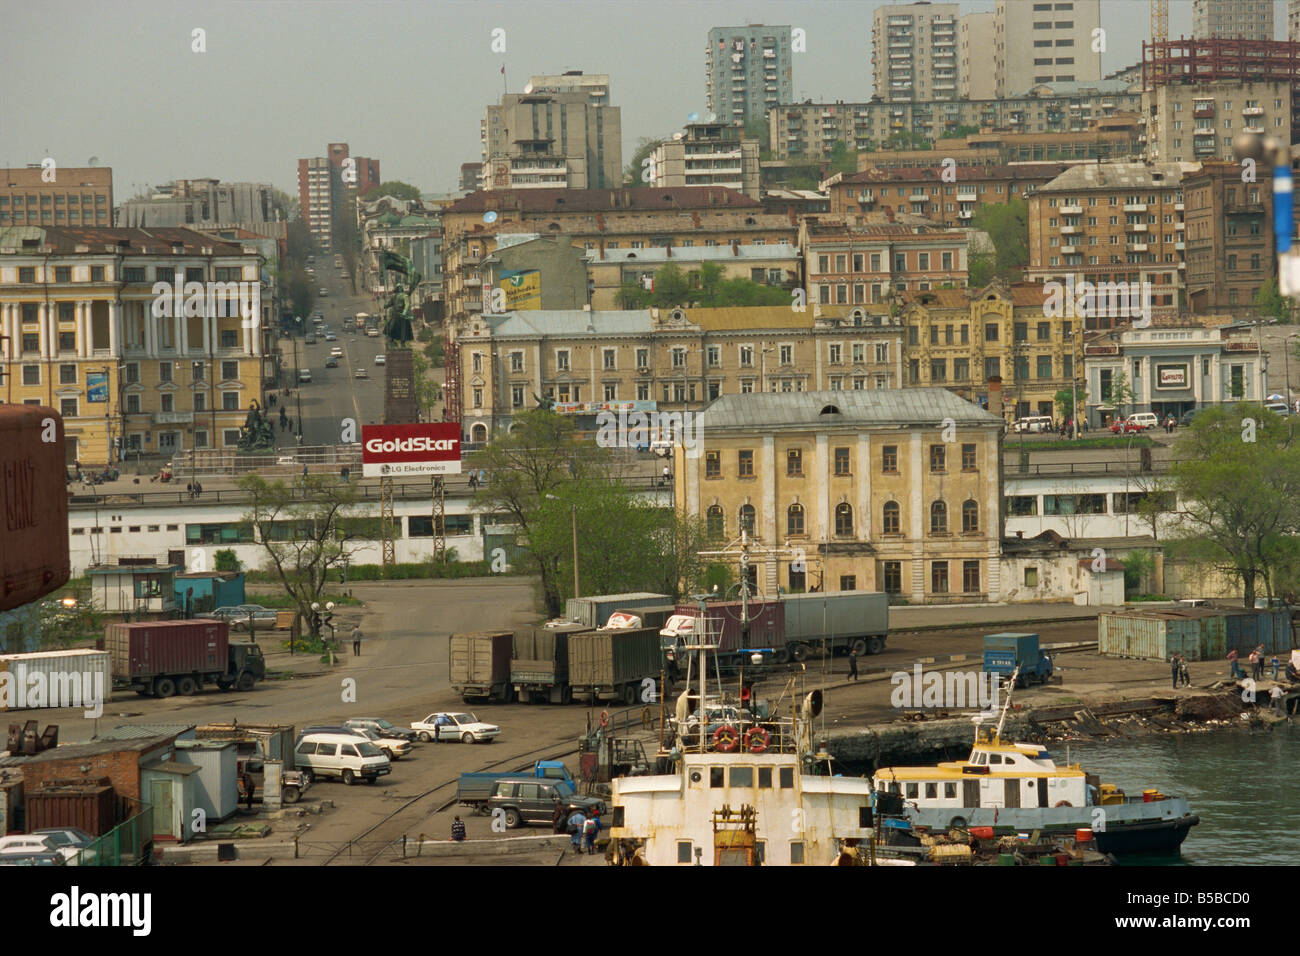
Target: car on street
(379, 359)
(337, 351)
(331, 337)
(450, 726)
(237, 616)
(1188, 417)
(372, 332)
(332, 362)
(394, 748)
(324, 292)
(1146, 419)
(304, 376)
(1278, 408)
(361, 373)
(1127, 426)
(527, 800)
(310, 339)
(1032, 424)
(385, 727)
(346, 756)
(65, 838)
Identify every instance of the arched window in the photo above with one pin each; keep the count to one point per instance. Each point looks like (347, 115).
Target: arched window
(715, 521)
(747, 518)
(844, 519)
(970, 516)
(479, 433)
(892, 518)
(794, 519)
(938, 518)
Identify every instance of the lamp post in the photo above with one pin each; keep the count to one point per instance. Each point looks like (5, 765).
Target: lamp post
(574, 509)
(762, 370)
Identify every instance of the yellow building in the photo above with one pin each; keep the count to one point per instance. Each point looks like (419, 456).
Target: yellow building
(92, 326)
(894, 490)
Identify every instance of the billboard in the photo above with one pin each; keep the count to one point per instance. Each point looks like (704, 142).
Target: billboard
(1172, 376)
(398, 451)
(523, 289)
(97, 386)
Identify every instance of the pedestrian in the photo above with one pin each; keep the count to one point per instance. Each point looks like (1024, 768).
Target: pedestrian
(248, 791)
(1173, 666)
(853, 663)
(667, 474)
(473, 480)
(1184, 676)
(343, 473)
(458, 829)
(189, 489)
(576, 823)
(591, 829)
(557, 817)
(1256, 665)
(1276, 664)
(1236, 667)
(198, 489)
(356, 640)
(304, 473)
(1276, 695)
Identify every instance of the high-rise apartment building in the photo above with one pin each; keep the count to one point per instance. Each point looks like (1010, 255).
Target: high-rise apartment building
(1242, 19)
(324, 184)
(1195, 122)
(1045, 41)
(747, 71)
(60, 196)
(975, 38)
(914, 51)
(542, 139)
(1293, 20)
(707, 154)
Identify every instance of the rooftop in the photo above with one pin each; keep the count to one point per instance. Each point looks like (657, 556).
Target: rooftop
(779, 250)
(644, 199)
(85, 177)
(1035, 171)
(1121, 176)
(156, 242)
(836, 410)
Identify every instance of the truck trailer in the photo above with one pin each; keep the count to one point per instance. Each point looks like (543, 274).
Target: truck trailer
(611, 664)
(479, 666)
(162, 658)
(838, 623)
(722, 619)
(595, 610)
(1004, 653)
(539, 672)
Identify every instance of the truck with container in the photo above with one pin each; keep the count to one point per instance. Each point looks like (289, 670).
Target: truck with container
(478, 664)
(722, 627)
(655, 616)
(836, 623)
(1005, 652)
(539, 672)
(475, 789)
(162, 658)
(595, 610)
(614, 662)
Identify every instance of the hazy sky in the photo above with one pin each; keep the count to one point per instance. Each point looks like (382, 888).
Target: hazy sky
(403, 81)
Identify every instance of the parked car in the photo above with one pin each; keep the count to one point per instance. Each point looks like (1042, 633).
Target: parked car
(1126, 426)
(332, 362)
(50, 858)
(346, 756)
(372, 332)
(466, 728)
(310, 339)
(385, 727)
(237, 616)
(65, 838)
(394, 748)
(324, 293)
(524, 800)
(1278, 408)
(1146, 419)
(1188, 417)
(379, 359)
(1032, 423)
(22, 844)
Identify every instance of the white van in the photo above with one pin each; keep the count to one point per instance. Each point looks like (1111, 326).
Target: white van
(304, 376)
(345, 756)
(1033, 424)
(1146, 419)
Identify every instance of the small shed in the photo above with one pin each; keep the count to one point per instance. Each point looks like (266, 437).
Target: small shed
(169, 787)
(139, 587)
(198, 592)
(216, 788)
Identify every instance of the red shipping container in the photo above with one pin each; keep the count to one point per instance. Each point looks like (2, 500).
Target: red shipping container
(143, 649)
(766, 623)
(33, 504)
(89, 808)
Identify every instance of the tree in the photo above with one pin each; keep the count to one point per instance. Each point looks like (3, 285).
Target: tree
(394, 188)
(1137, 566)
(1065, 400)
(981, 269)
(226, 560)
(634, 172)
(965, 129)
(843, 159)
(302, 527)
(1237, 473)
(427, 390)
(1007, 225)
(1270, 302)
(1121, 392)
(302, 292)
(285, 204)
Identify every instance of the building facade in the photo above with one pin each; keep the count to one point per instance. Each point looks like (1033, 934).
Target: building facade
(199, 203)
(1230, 243)
(1241, 19)
(1196, 122)
(708, 154)
(849, 264)
(866, 490)
(914, 51)
(608, 270)
(594, 85)
(75, 197)
(924, 192)
(747, 71)
(325, 183)
(543, 140)
(1041, 42)
(975, 38)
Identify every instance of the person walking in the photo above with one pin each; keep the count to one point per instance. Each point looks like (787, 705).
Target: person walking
(853, 663)
(356, 640)
(576, 823)
(473, 480)
(667, 475)
(591, 829)
(189, 489)
(1256, 665)
(1184, 675)
(1276, 664)
(1236, 667)
(1276, 695)
(1173, 667)
(458, 830)
(198, 489)
(557, 817)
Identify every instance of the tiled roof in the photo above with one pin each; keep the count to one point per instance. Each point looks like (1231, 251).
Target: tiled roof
(566, 323)
(779, 250)
(153, 241)
(880, 406)
(1121, 176)
(643, 198)
(755, 317)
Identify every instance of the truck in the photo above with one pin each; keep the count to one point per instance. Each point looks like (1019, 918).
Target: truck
(723, 628)
(475, 789)
(595, 610)
(162, 658)
(539, 672)
(837, 623)
(1003, 653)
(479, 666)
(655, 616)
(611, 664)
(256, 744)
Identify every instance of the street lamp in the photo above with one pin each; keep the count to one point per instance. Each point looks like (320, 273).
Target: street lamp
(576, 591)
(762, 369)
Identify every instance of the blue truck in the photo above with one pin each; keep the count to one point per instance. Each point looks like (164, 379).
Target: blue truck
(1003, 653)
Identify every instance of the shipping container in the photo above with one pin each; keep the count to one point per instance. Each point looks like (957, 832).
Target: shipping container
(594, 611)
(722, 618)
(611, 665)
(1198, 633)
(34, 504)
(216, 789)
(656, 615)
(91, 808)
(540, 668)
(478, 664)
(75, 678)
(167, 657)
(854, 619)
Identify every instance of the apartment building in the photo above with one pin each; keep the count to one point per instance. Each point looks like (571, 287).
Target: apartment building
(609, 270)
(923, 192)
(1041, 42)
(747, 72)
(1293, 20)
(914, 51)
(538, 140)
(960, 339)
(326, 183)
(864, 486)
(1194, 122)
(77, 309)
(1112, 222)
(1229, 236)
(199, 203)
(471, 177)
(975, 38)
(850, 264)
(76, 196)
(708, 154)
(666, 359)
(1241, 19)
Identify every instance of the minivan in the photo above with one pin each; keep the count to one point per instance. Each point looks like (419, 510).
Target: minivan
(1145, 419)
(345, 756)
(1032, 423)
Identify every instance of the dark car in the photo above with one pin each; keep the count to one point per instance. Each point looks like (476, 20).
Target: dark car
(527, 800)
(1187, 417)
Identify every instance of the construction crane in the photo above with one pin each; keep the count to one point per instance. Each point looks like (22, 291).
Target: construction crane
(1159, 21)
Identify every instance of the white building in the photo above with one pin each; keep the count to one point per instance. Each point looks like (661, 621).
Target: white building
(1036, 41)
(914, 51)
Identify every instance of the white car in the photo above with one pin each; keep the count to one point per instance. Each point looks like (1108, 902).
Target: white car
(379, 359)
(372, 332)
(337, 351)
(466, 728)
(22, 844)
(394, 748)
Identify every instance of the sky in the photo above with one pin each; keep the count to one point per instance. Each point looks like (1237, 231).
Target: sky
(401, 81)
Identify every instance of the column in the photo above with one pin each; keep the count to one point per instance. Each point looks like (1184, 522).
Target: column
(916, 478)
(767, 512)
(822, 467)
(150, 331)
(863, 480)
(5, 346)
(182, 327)
(83, 339)
(115, 329)
(47, 339)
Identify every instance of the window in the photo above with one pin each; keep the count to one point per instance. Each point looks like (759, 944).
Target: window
(683, 851)
(517, 396)
(133, 406)
(938, 459)
(939, 577)
(1022, 506)
(27, 274)
(794, 520)
(715, 521)
(970, 583)
(968, 457)
(836, 354)
(97, 274)
(787, 354)
(68, 407)
(1044, 368)
(844, 519)
(794, 463)
(67, 375)
(747, 518)
(747, 356)
(891, 522)
(229, 371)
(970, 517)
(714, 354)
(893, 577)
(990, 332)
(938, 518)
(230, 401)
(642, 358)
(168, 402)
(787, 778)
(745, 464)
(200, 402)
(713, 464)
(796, 847)
(679, 358)
(610, 392)
(841, 461)
(562, 360)
(1031, 577)
(889, 459)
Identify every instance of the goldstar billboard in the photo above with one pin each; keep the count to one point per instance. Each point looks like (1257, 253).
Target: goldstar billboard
(396, 451)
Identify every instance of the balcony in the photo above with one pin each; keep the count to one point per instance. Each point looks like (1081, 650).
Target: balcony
(965, 214)
(1137, 227)
(1178, 207)
(1137, 247)
(1182, 265)
(1180, 226)
(968, 197)
(1203, 112)
(1180, 245)
(1252, 129)
(1236, 207)
(1253, 111)
(1071, 210)
(1069, 250)
(474, 305)
(919, 197)
(1135, 207)
(1071, 230)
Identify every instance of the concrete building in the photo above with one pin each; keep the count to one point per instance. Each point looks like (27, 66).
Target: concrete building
(1229, 237)
(1112, 222)
(200, 203)
(708, 154)
(526, 273)
(914, 51)
(78, 308)
(325, 183)
(1293, 20)
(594, 85)
(1042, 42)
(1195, 122)
(142, 589)
(74, 196)
(747, 72)
(863, 483)
(1241, 19)
(848, 264)
(543, 139)
(471, 177)
(975, 38)
(779, 265)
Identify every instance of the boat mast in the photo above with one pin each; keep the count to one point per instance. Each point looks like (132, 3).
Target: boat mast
(1006, 704)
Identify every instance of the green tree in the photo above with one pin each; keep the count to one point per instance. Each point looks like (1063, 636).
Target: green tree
(981, 269)
(394, 188)
(1270, 302)
(965, 129)
(1007, 225)
(1137, 566)
(427, 390)
(760, 130)
(1236, 471)
(843, 159)
(635, 172)
(227, 560)
(1121, 392)
(1065, 400)
(301, 292)
(671, 287)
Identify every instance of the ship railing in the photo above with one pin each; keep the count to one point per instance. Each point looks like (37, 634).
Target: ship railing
(778, 736)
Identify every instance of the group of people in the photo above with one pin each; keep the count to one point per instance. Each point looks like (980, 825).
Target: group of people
(194, 488)
(1178, 665)
(582, 829)
(477, 478)
(1257, 658)
(1170, 424)
(1066, 427)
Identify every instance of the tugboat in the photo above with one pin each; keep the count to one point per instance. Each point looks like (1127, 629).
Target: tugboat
(1017, 787)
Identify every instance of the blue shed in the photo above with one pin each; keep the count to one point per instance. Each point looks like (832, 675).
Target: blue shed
(198, 592)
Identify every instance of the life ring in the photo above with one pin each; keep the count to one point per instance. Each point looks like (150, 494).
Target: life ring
(1064, 803)
(725, 739)
(604, 718)
(757, 740)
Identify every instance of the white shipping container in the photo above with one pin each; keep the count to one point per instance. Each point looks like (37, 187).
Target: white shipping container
(71, 678)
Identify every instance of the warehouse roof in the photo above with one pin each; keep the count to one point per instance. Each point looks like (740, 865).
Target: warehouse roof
(881, 406)
(144, 731)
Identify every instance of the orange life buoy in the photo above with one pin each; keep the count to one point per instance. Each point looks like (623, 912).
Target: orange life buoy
(1064, 803)
(757, 740)
(604, 718)
(725, 739)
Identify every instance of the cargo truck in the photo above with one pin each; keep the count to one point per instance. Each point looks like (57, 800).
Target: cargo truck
(479, 666)
(656, 616)
(611, 664)
(594, 611)
(838, 623)
(163, 658)
(722, 626)
(1003, 653)
(539, 672)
